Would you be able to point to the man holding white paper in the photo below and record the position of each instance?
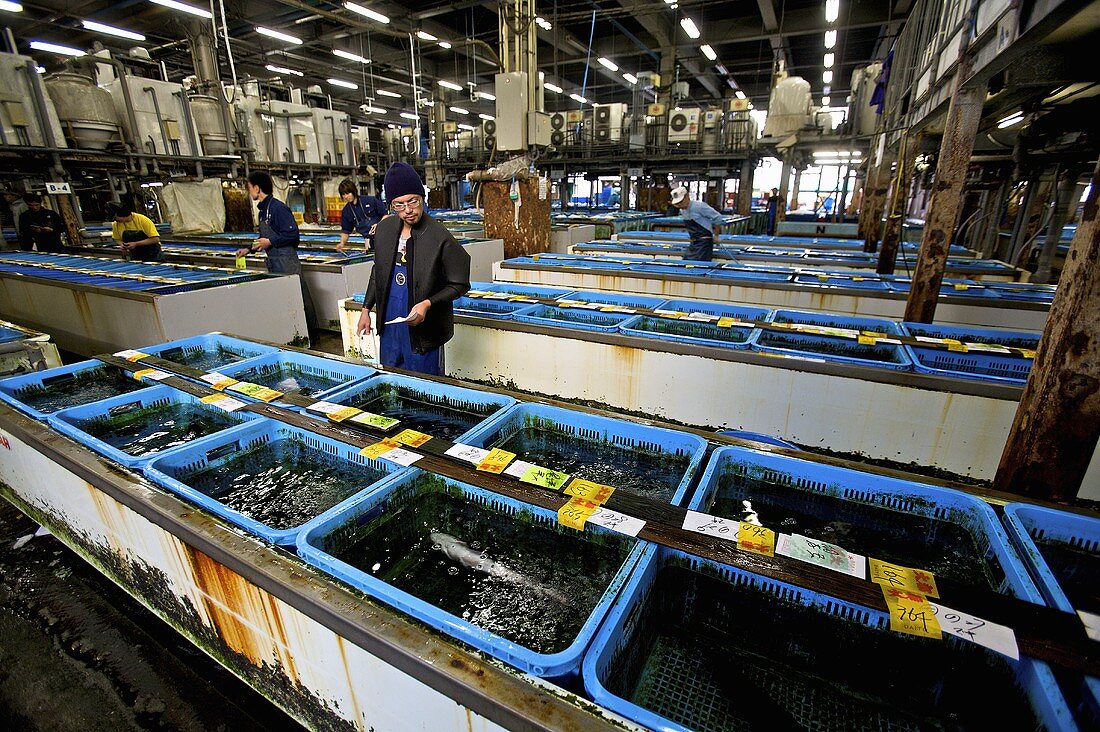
(419, 270)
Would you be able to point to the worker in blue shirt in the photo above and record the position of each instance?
(279, 235)
(703, 223)
(360, 215)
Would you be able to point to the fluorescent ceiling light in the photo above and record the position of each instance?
(827, 76)
(444, 44)
(388, 93)
(837, 153)
(739, 94)
(278, 35)
(722, 69)
(184, 8)
(543, 23)
(486, 116)
(829, 58)
(578, 98)
(689, 27)
(465, 127)
(374, 110)
(459, 110)
(1009, 121)
(449, 85)
(107, 29)
(40, 69)
(345, 84)
(832, 10)
(825, 101)
(708, 51)
(487, 95)
(55, 48)
(826, 89)
(283, 70)
(350, 56)
(631, 78)
(409, 115)
(10, 6)
(830, 38)
(608, 64)
(426, 36)
(552, 87)
(373, 15)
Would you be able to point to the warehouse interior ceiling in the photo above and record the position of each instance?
(456, 41)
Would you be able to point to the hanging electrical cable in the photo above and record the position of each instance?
(228, 50)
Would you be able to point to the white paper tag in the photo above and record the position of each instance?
(517, 468)
(325, 407)
(401, 456)
(616, 521)
(469, 453)
(821, 553)
(229, 404)
(214, 377)
(395, 321)
(129, 353)
(705, 317)
(498, 296)
(926, 339)
(999, 638)
(704, 523)
(1092, 624)
(156, 375)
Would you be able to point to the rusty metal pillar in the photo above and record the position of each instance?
(960, 127)
(1057, 423)
(792, 205)
(874, 201)
(784, 185)
(744, 187)
(895, 210)
(1066, 196)
(71, 218)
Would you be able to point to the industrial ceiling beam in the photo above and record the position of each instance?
(771, 23)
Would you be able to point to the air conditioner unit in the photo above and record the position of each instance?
(607, 122)
(557, 121)
(489, 126)
(683, 125)
(710, 119)
(557, 138)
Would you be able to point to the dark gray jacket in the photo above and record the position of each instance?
(439, 271)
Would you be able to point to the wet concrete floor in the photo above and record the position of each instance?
(78, 653)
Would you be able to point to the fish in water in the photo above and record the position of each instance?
(288, 385)
(460, 552)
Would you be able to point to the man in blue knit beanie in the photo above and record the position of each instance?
(419, 270)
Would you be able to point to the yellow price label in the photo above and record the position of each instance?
(496, 461)
(143, 372)
(857, 278)
(211, 398)
(756, 539)
(961, 286)
(412, 438)
(378, 449)
(241, 263)
(545, 477)
(1027, 353)
(910, 612)
(256, 391)
(575, 512)
(866, 340)
(726, 322)
(823, 277)
(905, 578)
(595, 492)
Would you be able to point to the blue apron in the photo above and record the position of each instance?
(362, 222)
(395, 346)
(702, 241)
(284, 260)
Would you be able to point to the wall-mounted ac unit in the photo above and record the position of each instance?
(607, 122)
(489, 126)
(683, 125)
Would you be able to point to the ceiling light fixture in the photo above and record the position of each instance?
(283, 70)
(829, 58)
(486, 116)
(708, 52)
(278, 35)
(350, 56)
(373, 110)
(449, 85)
(832, 10)
(184, 8)
(10, 6)
(1012, 119)
(388, 93)
(608, 64)
(824, 101)
(543, 23)
(107, 29)
(827, 76)
(739, 94)
(487, 95)
(459, 110)
(631, 78)
(689, 27)
(552, 87)
(465, 127)
(578, 98)
(830, 38)
(373, 15)
(444, 44)
(55, 48)
(345, 84)
(426, 36)
(409, 115)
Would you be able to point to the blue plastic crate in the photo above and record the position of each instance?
(625, 300)
(733, 271)
(758, 437)
(972, 364)
(839, 279)
(831, 348)
(676, 609)
(965, 288)
(591, 431)
(211, 350)
(485, 308)
(478, 406)
(698, 331)
(276, 369)
(675, 269)
(571, 317)
(20, 391)
(521, 290)
(177, 469)
(74, 421)
(336, 529)
(835, 320)
(1022, 291)
(1031, 527)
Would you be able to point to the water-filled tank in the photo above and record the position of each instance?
(207, 113)
(86, 111)
(788, 108)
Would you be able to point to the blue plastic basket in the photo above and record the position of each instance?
(521, 290)
(687, 269)
(967, 288)
(835, 320)
(594, 429)
(323, 537)
(972, 364)
(18, 391)
(572, 318)
(74, 420)
(698, 331)
(1022, 291)
(756, 274)
(211, 349)
(682, 697)
(271, 369)
(485, 405)
(838, 279)
(830, 348)
(1028, 525)
(483, 308)
(174, 468)
(624, 300)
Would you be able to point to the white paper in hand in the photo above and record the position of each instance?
(397, 320)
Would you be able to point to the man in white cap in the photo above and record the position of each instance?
(702, 222)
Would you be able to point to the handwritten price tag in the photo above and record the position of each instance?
(756, 539)
(412, 438)
(616, 521)
(217, 381)
(256, 391)
(401, 456)
(377, 421)
(704, 523)
(223, 402)
(574, 513)
(467, 453)
(999, 638)
(821, 553)
(905, 578)
(343, 413)
(910, 612)
(866, 340)
(595, 492)
(1092, 624)
(131, 355)
(379, 449)
(517, 468)
(151, 374)
(726, 322)
(496, 461)
(547, 478)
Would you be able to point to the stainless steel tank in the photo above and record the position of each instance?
(207, 113)
(87, 113)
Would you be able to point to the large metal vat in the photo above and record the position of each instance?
(210, 123)
(21, 118)
(86, 112)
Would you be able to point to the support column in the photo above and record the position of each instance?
(744, 187)
(792, 205)
(874, 201)
(1057, 423)
(71, 218)
(624, 193)
(784, 185)
(1068, 193)
(899, 203)
(960, 127)
(525, 233)
(991, 230)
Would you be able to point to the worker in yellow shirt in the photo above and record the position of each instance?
(135, 233)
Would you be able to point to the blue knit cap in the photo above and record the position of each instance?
(402, 180)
